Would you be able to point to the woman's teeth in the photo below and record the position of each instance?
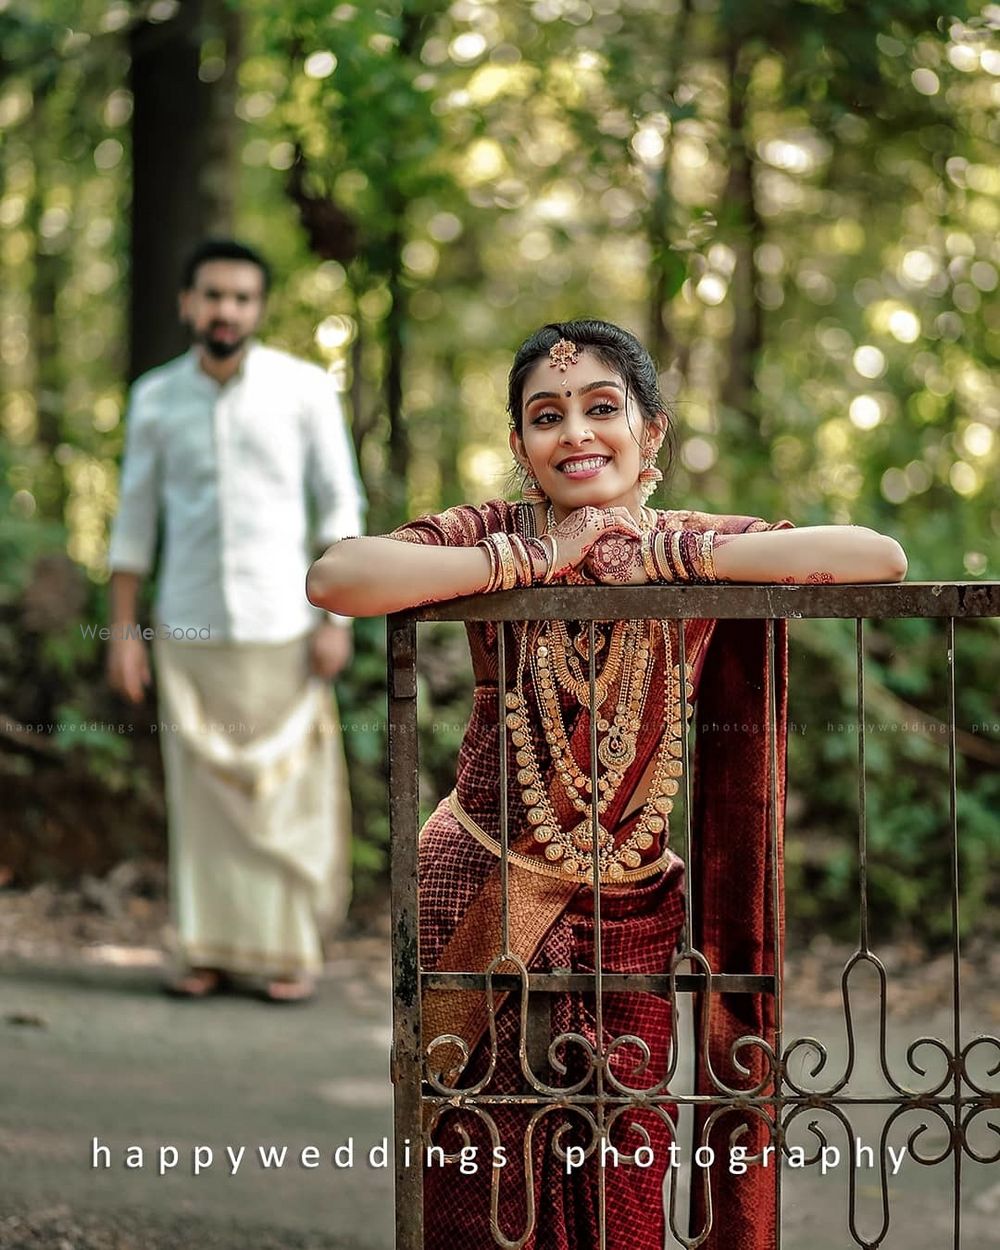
(584, 466)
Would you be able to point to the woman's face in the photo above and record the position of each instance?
(578, 437)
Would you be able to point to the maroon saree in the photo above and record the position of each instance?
(551, 927)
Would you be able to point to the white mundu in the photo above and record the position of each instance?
(244, 481)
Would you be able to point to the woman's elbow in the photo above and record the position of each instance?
(889, 558)
(899, 563)
(322, 583)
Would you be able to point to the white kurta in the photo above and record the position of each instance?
(243, 480)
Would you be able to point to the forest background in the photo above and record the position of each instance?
(795, 203)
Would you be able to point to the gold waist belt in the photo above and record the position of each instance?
(584, 875)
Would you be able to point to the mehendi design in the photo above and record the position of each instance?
(819, 578)
(614, 558)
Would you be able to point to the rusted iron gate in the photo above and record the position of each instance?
(956, 1098)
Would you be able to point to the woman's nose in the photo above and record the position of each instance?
(575, 431)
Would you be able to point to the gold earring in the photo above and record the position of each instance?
(531, 492)
(649, 476)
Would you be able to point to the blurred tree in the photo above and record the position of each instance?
(796, 203)
(182, 76)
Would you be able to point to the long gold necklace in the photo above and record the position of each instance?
(573, 849)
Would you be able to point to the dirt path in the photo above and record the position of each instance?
(99, 1053)
(93, 1050)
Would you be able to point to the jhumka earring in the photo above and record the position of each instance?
(531, 492)
(649, 476)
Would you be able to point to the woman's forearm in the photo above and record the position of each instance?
(816, 553)
(373, 576)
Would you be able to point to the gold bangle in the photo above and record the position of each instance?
(646, 551)
(680, 571)
(522, 559)
(522, 565)
(550, 570)
(491, 555)
(507, 566)
(659, 554)
(708, 556)
(516, 556)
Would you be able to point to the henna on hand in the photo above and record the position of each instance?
(577, 534)
(575, 524)
(615, 559)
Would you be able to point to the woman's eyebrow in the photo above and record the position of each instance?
(596, 386)
(584, 390)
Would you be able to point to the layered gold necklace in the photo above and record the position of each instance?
(628, 667)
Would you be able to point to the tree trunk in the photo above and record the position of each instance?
(395, 330)
(743, 232)
(183, 150)
(667, 265)
(395, 324)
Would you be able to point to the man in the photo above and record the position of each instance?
(234, 446)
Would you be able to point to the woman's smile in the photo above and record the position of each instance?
(583, 467)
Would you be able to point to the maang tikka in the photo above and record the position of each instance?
(563, 354)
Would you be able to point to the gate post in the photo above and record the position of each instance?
(404, 813)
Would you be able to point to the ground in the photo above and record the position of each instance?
(91, 1050)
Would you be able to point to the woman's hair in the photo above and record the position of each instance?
(614, 347)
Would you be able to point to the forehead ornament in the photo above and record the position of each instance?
(563, 354)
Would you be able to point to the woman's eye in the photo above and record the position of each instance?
(603, 409)
(540, 418)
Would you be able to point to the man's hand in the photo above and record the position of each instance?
(332, 648)
(128, 668)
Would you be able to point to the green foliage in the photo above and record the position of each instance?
(796, 203)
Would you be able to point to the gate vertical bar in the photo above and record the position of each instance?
(777, 911)
(404, 814)
(595, 843)
(859, 646)
(956, 950)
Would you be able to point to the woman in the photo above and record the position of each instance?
(587, 422)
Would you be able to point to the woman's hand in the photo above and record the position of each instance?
(615, 560)
(579, 534)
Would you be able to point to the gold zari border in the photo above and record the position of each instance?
(531, 864)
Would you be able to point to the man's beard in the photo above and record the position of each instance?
(221, 349)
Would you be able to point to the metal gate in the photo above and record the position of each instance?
(947, 1082)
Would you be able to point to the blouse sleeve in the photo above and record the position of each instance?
(463, 526)
(722, 523)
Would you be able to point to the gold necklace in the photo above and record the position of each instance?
(623, 638)
(618, 747)
(573, 849)
(567, 666)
